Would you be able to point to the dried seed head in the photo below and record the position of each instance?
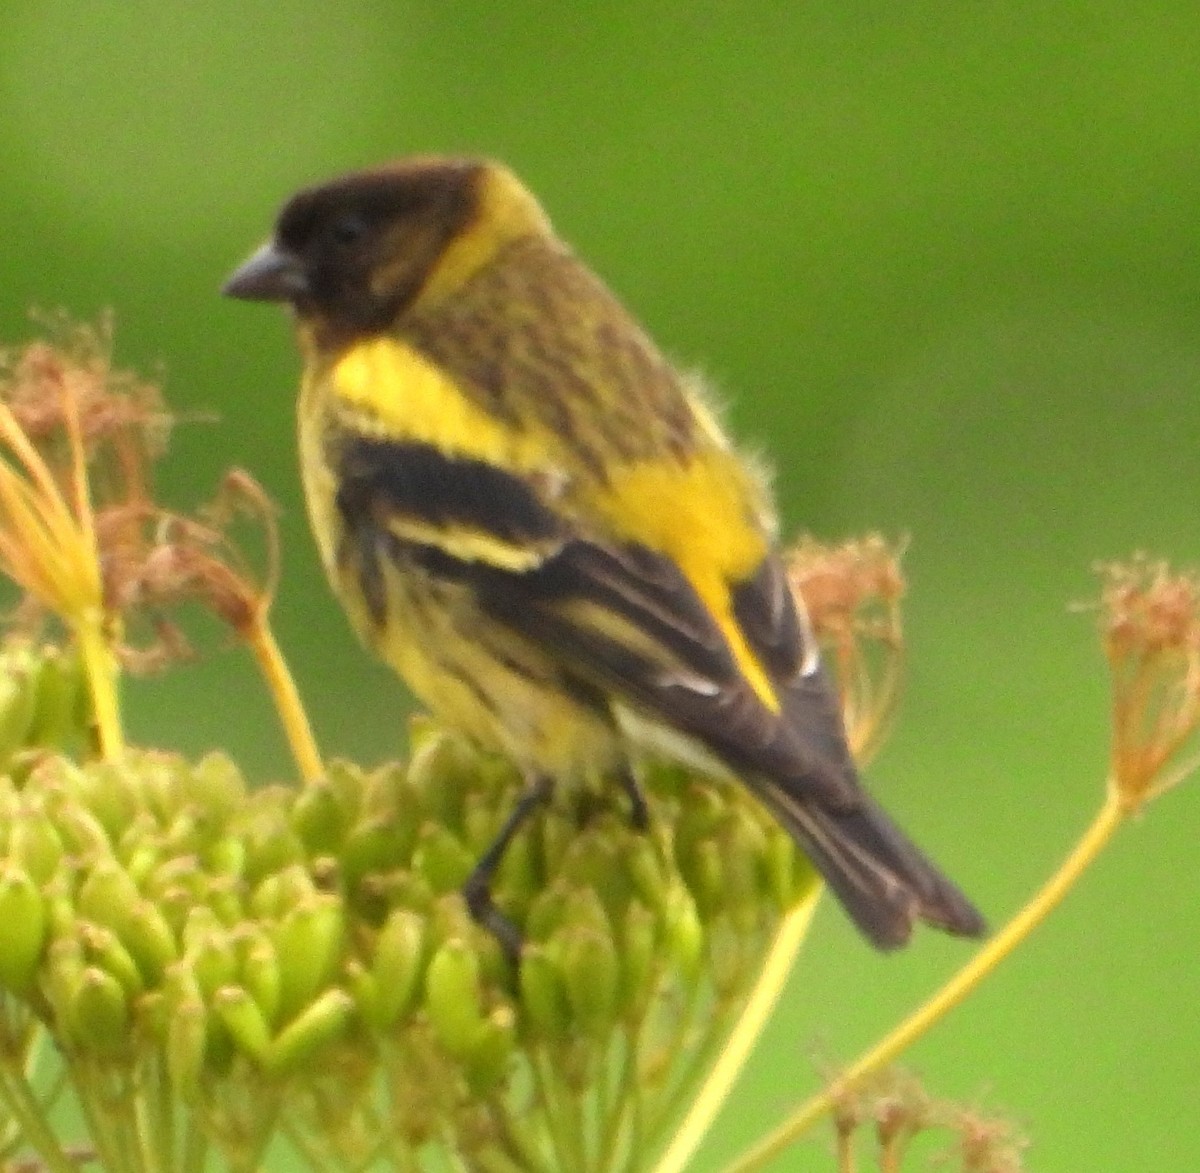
(852, 593)
(1150, 629)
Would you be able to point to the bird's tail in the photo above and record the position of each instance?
(881, 878)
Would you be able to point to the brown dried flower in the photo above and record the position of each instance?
(1150, 627)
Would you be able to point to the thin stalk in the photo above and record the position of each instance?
(742, 1038)
(22, 1105)
(103, 673)
(1111, 815)
(288, 705)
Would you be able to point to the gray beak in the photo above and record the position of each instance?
(269, 275)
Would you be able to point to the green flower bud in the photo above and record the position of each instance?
(107, 894)
(318, 1024)
(278, 894)
(452, 997)
(18, 700)
(638, 954)
(60, 700)
(82, 833)
(704, 873)
(440, 768)
(244, 1020)
(109, 791)
(319, 817)
(375, 845)
(260, 974)
(684, 932)
(215, 785)
(103, 948)
(442, 859)
(544, 993)
(781, 878)
(148, 937)
(98, 1013)
(212, 960)
(646, 870)
(225, 856)
(591, 973)
(23, 925)
(308, 942)
(398, 965)
(489, 1057)
(187, 1043)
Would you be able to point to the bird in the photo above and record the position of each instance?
(541, 524)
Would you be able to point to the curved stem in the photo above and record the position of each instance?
(282, 686)
(742, 1038)
(1111, 816)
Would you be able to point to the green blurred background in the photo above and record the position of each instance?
(944, 262)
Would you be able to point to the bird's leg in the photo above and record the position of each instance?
(639, 809)
(477, 890)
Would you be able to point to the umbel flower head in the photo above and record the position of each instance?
(210, 968)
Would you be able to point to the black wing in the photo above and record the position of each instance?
(625, 619)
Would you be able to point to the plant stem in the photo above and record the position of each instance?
(282, 685)
(742, 1038)
(102, 671)
(1110, 817)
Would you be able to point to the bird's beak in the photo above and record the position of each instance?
(271, 274)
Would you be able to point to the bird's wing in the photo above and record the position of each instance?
(618, 614)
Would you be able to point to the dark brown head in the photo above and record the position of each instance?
(358, 251)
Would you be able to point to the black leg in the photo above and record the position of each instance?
(639, 811)
(477, 891)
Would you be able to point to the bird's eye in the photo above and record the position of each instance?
(348, 230)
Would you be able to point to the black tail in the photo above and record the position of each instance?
(882, 879)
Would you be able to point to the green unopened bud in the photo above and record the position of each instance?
(646, 871)
(148, 937)
(488, 1058)
(57, 693)
(98, 1014)
(244, 1020)
(544, 993)
(377, 844)
(36, 847)
(278, 894)
(744, 866)
(107, 895)
(685, 933)
(18, 701)
(109, 792)
(103, 948)
(704, 872)
(591, 974)
(319, 817)
(398, 965)
(440, 768)
(318, 1024)
(81, 832)
(639, 945)
(215, 785)
(260, 974)
(452, 997)
(22, 929)
(442, 859)
(212, 960)
(308, 942)
(225, 856)
(187, 1043)
(779, 868)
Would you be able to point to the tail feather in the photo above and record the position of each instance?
(881, 878)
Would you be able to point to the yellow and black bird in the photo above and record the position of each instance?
(540, 524)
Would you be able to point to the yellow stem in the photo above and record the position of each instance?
(103, 673)
(1094, 839)
(282, 686)
(742, 1038)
